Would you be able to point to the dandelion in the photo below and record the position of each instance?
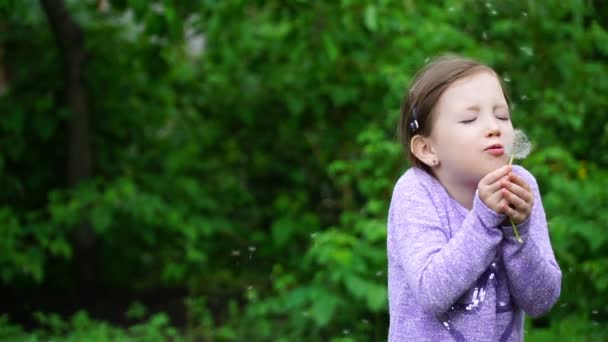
(521, 146)
(519, 149)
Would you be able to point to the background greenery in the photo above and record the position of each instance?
(243, 157)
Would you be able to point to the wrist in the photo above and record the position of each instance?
(489, 216)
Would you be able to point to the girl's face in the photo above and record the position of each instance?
(471, 128)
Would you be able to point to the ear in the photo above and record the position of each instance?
(422, 148)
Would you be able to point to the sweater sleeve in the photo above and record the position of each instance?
(533, 274)
(439, 269)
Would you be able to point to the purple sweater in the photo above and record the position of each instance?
(460, 275)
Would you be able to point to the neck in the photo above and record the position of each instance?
(463, 193)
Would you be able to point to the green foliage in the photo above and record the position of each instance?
(80, 327)
(573, 328)
(246, 151)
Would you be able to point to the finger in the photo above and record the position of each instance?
(496, 175)
(518, 209)
(511, 213)
(529, 197)
(518, 191)
(503, 204)
(519, 181)
(494, 201)
(517, 202)
(497, 185)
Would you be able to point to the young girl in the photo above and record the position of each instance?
(455, 269)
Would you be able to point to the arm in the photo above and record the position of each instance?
(533, 275)
(437, 268)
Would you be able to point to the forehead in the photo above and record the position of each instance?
(479, 88)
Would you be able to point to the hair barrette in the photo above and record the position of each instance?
(414, 124)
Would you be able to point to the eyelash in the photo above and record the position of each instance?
(471, 120)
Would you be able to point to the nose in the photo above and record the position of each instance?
(493, 129)
(493, 132)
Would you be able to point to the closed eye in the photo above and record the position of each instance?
(467, 121)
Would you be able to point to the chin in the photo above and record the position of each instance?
(497, 163)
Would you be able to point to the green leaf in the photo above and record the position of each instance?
(371, 14)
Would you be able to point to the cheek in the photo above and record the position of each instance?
(508, 128)
(455, 147)
(462, 138)
(508, 135)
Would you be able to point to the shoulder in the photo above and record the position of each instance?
(415, 188)
(415, 181)
(412, 197)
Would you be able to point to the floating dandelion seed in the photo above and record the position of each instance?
(519, 149)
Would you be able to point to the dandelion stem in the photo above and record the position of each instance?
(519, 239)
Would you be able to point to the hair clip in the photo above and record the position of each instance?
(414, 124)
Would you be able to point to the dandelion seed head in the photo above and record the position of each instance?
(521, 146)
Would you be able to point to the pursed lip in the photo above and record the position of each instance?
(493, 146)
(495, 149)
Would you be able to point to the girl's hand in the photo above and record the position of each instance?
(490, 188)
(518, 198)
